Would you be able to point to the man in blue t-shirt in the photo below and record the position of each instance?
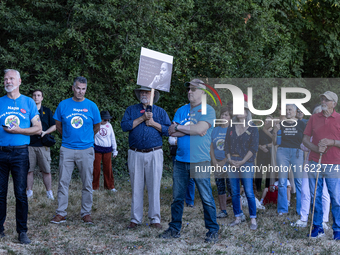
(19, 117)
(193, 131)
(77, 120)
(145, 156)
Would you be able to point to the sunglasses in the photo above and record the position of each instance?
(192, 89)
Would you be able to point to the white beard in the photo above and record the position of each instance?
(10, 90)
(144, 100)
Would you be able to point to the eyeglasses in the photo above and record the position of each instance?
(192, 89)
(298, 111)
(105, 120)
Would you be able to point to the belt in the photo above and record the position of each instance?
(235, 155)
(11, 148)
(146, 150)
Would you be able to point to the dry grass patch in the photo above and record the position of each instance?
(111, 215)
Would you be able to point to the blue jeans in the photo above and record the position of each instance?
(190, 194)
(181, 176)
(245, 173)
(285, 158)
(16, 162)
(333, 184)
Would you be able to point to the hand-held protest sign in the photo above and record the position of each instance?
(155, 69)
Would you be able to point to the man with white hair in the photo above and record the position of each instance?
(19, 117)
(324, 128)
(145, 156)
(193, 131)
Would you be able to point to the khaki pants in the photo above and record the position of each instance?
(145, 168)
(84, 162)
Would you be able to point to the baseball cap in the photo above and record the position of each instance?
(330, 96)
(195, 82)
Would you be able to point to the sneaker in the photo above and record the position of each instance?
(317, 232)
(58, 219)
(222, 214)
(87, 219)
(238, 221)
(253, 226)
(211, 237)
(50, 195)
(280, 213)
(336, 235)
(170, 233)
(114, 190)
(325, 226)
(288, 203)
(191, 206)
(299, 224)
(23, 238)
(29, 193)
(2, 234)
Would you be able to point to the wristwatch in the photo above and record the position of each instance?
(176, 127)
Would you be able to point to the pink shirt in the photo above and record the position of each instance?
(321, 127)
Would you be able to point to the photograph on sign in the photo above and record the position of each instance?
(155, 69)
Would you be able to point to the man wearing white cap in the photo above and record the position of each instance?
(145, 156)
(193, 131)
(325, 127)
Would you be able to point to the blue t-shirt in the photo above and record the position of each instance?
(217, 138)
(19, 111)
(77, 120)
(194, 148)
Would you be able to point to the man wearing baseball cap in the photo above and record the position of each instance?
(145, 156)
(193, 132)
(324, 128)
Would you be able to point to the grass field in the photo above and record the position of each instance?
(111, 215)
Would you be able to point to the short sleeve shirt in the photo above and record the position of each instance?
(217, 139)
(292, 134)
(320, 127)
(46, 117)
(194, 148)
(18, 111)
(77, 120)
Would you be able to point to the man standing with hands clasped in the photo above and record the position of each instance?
(77, 120)
(19, 118)
(145, 156)
(324, 128)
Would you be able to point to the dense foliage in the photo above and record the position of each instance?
(51, 42)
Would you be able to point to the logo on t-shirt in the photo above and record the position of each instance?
(11, 120)
(103, 132)
(85, 110)
(77, 122)
(220, 144)
(23, 111)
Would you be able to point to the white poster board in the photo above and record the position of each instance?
(155, 69)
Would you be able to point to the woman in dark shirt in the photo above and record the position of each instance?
(241, 145)
(289, 155)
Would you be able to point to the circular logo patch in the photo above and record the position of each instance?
(85, 110)
(11, 120)
(77, 122)
(220, 144)
(103, 132)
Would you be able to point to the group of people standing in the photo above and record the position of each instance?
(88, 138)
